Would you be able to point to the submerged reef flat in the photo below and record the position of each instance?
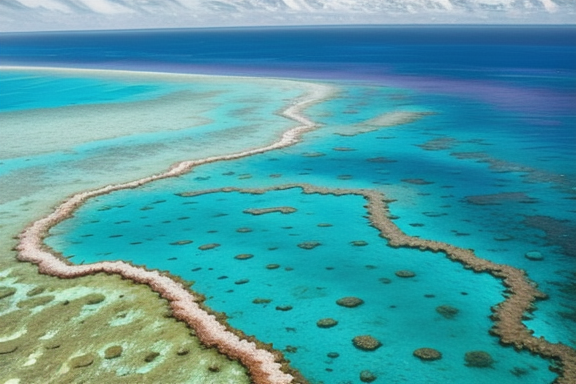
(388, 119)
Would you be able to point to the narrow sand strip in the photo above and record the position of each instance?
(261, 363)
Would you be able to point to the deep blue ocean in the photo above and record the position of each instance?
(488, 165)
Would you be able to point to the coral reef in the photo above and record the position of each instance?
(349, 302)
(244, 256)
(534, 256)
(447, 311)
(263, 211)
(206, 247)
(326, 323)
(479, 359)
(366, 343)
(405, 273)
(427, 354)
(367, 376)
(309, 244)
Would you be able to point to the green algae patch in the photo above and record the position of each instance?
(35, 291)
(6, 292)
(7, 347)
(35, 301)
(76, 329)
(94, 298)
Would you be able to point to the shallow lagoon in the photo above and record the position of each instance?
(432, 185)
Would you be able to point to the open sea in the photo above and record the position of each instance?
(470, 132)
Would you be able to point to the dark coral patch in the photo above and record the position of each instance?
(309, 245)
(94, 298)
(447, 311)
(261, 301)
(427, 354)
(181, 242)
(349, 302)
(366, 343)
(206, 247)
(478, 359)
(244, 256)
(113, 352)
(326, 323)
(405, 273)
(82, 361)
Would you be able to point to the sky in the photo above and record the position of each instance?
(50, 15)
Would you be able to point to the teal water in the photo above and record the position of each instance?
(527, 206)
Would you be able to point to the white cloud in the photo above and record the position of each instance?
(18, 15)
(105, 7)
(53, 5)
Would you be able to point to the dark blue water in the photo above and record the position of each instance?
(351, 52)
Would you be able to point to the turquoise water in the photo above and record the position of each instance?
(435, 187)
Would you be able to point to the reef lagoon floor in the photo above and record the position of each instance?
(398, 227)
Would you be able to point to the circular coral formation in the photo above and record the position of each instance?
(326, 323)
(367, 376)
(243, 256)
(309, 244)
(447, 311)
(479, 359)
(349, 302)
(405, 273)
(366, 343)
(427, 354)
(261, 301)
(113, 352)
(206, 247)
(534, 256)
(181, 242)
